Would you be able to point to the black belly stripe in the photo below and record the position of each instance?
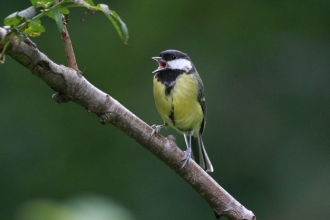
(168, 89)
(171, 116)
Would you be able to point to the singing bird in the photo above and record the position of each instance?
(179, 97)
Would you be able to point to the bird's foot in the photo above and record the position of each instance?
(186, 158)
(156, 129)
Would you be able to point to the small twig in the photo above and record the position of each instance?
(72, 63)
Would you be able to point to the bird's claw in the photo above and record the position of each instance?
(156, 129)
(186, 158)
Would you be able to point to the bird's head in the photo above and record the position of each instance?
(173, 60)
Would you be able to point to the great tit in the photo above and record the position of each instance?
(179, 96)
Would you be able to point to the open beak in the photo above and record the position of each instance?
(162, 64)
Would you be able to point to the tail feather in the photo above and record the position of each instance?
(199, 154)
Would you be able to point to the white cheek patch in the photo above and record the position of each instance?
(181, 64)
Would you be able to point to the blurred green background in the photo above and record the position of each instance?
(266, 71)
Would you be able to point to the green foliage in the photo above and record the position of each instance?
(42, 4)
(34, 28)
(58, 19)
(116, 21)
(15, 18)
(28, 22)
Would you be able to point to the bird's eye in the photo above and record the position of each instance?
(173, 57)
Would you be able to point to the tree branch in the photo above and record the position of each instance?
(74, 87)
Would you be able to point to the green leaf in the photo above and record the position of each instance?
(58, 20)
(123, 26)
(34, 28)
(90, 2)
(50, 14)
(63, 10)
(119, 25)
(42, 3)
(104, 8)
(13, 20)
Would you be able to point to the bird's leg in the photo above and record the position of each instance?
(156, 128)
(188, 151)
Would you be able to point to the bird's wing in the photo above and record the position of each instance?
(201, 100)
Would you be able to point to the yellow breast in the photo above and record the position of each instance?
(180, 108)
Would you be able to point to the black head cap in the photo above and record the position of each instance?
(169, 55)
